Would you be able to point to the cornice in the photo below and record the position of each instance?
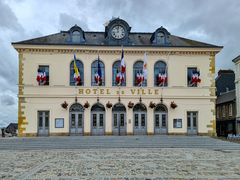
(64, 49)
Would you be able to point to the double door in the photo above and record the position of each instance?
(119, 123)
(160, 123)
(140, 123)
(192, 123)
(43, 123)
(76, 123)
(97, 123)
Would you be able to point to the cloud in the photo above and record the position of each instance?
(8, 19)
(7, 100)
(67, 21)
(207, 21)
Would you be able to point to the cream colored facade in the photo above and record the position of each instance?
(33, 97)
(57, 51)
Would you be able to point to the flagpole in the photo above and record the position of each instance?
(75, 82)
(98, 81)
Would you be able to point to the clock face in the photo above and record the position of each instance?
(118, 32)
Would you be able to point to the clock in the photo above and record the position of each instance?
(118, 32)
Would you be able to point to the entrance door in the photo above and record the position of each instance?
(76, 114)
(119, 123)
(98, 120)
(140, 125)
(76, 123)
(160, 123)
(43, 123)
(191, 123)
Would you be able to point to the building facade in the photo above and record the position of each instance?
(237, 85)
(226, 103)
(57, 105)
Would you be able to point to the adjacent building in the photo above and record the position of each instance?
(73, 83)
(237, 84)
(226, 103)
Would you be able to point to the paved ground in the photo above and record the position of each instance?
(92, 142)
(119, 158)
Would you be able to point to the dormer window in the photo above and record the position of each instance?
(76, 37)
(160, 37)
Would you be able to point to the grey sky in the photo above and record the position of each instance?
(215, 22)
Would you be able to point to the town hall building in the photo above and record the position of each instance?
(116, 82)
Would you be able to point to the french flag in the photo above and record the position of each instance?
(39, 76)
(195, 79)
(98, 74)
(139, 79)
(119, 78)
(162, 79)
(44, 78)
(123, 66)
(77, 79)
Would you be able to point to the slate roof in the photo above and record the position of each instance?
(226, 97)
(98, 39)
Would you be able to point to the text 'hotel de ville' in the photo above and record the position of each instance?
(116, 82)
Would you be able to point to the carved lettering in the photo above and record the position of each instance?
(101, 91)
(88, 91)
(95, 91)
(80, 91)
(149, 91)
(138, 91)
(133, 91)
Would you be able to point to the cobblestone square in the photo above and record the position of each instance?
(115, 162)
(120, 164)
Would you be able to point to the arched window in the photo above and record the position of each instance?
(95, 70)
(138, 71)
(160, 74)
(81, 72)
(98, 107)
(76, 107)
(140, 107)
(76, 36)
(115, 70)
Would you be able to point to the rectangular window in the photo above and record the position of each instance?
(192, 77)
(115, 123)
(177, 123)
(43, 75)
(143, 120)
(94, 120)
(136, 120)
(163, 120)
(230, 110)
(101, 120)
(73, 120)
(122, 120)
(223, 111)
(157, 120)
(80, 120)
(43, 119)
